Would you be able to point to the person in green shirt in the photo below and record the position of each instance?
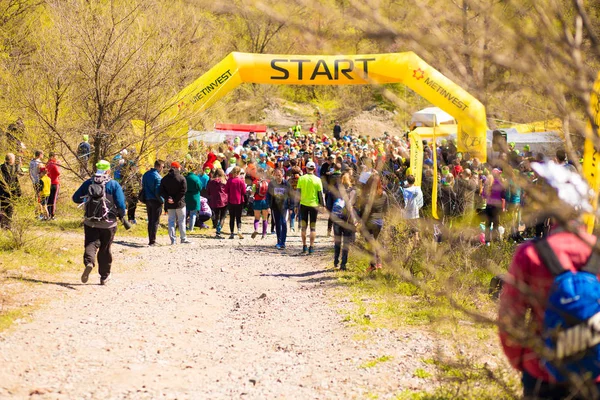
(311, 197)
(297, 129)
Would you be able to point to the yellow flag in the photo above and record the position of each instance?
(591, 156)
(435, 180)
(416, 157)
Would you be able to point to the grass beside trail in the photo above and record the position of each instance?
(440, 290)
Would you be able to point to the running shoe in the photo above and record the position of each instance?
(232, 236)
(378, 266)
(254, 235)
(304, 249)
(311, 250)
(343, 268)
(282, 247)
(86, 273)
(186, 241)
(278, 246)
(240, 235)
(104, 280)
(371, 268)
(263, 236)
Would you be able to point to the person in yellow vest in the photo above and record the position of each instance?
(297, 129)
(44, 191)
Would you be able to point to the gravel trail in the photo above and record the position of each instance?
(217, 319)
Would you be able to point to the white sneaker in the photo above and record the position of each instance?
(186, 241)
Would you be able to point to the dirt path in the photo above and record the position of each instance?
(217, 319)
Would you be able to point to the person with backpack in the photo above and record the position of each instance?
(278, 195)
(549, 310)
(260, 189)
(152, 198)
(172, 188)
(104, 203)
(344, 218)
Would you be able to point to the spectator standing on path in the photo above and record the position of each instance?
(84, 150)
(337, 131)
(154, 202)
(311, 197)
(172, 188)
(192, 197)
(53, 168)
(10, 189)
(217, 199)
(235, 189)
(104, 204)
(34, 169)
(344, 220)
(413, 202)
(278, 199)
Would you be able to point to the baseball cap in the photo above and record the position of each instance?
(310, 165)
(175, 164)
(102, 167)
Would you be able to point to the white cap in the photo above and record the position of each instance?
(310, 165)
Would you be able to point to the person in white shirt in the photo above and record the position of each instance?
(413, 202)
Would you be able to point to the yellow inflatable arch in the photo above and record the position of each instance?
(406, 68)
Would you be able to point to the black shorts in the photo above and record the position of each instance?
(44, 201)
(308, 215)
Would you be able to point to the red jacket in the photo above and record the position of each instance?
(53, 168)
(527, 269)
(235, 189)
(217, 194)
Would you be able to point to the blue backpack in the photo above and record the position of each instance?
(572, 318)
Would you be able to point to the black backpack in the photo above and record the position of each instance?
(97, 206)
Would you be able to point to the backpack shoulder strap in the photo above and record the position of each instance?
(548, 257)
(593, 263)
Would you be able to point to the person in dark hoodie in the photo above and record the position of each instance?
(100, 222)
(278, 195)
(333, 184)
(154, 203)
(172, 188)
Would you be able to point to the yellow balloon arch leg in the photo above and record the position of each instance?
(406, 68)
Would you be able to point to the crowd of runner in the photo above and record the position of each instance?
(285, 180)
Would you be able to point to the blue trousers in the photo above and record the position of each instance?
(280, 218)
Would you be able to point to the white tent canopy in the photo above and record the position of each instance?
(431, 116)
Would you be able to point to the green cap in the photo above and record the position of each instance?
(526, 147)
(103, 165)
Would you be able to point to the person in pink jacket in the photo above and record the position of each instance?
(217, 199)
(235, 189)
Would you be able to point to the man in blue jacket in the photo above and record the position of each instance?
(104, 204)
(154, 202)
